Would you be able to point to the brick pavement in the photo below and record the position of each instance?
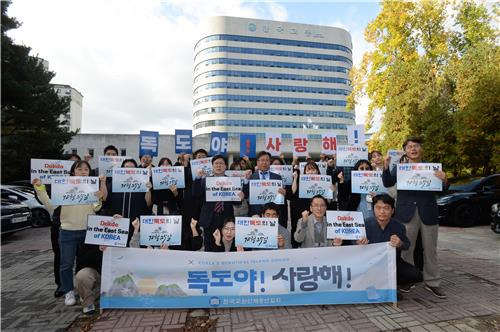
(472, 286)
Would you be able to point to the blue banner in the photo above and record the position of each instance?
(148, 143)
(183, 141)
(248, 145)
(142, 278)
(218, 144)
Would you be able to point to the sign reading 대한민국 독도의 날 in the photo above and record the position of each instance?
(74, 190)
(253, 232)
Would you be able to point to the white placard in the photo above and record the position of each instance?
(312, 185)
(348, 155)
(265, 191)
(365, 182)
(107, 163)
(107, 231)
(322, 165)
(204, 164)
(346, 225)
(222, 188)
(299, 145)
(286, 172)
(328, 143)
(273, 144)
(419, 176)
(158, 230)
(74, 190)
(45, 169)
(164, 177)
(356, 135)
(257, 232)
(130, 179)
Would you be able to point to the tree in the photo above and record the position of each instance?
(31, 109)
(419, 75)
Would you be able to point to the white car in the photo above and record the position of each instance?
(40, 216)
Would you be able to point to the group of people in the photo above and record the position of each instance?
(396, 217)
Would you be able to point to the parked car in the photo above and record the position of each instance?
(469, 204)
(40, 216)
(495, 218)
(16, 216)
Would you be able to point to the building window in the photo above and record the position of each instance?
(123, 152)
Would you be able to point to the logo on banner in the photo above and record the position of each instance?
(218, 144)
(148, 143)
(183, 141)
(273, 144)
(248, 145)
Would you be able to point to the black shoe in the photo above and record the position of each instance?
(406, 288)
(436, 291)
(58, 293)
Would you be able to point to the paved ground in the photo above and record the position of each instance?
(470, 261)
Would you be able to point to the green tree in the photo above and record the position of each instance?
(31, 109)
(419, 75)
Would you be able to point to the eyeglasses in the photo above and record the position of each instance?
(228, 229)
(411, 146)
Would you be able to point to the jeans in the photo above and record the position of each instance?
(68, 243)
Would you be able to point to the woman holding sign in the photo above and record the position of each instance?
(167, 200)
(213, 213)
(226, 241)
(73, 226)
(131, 204)
(350, 201)
(299, 205)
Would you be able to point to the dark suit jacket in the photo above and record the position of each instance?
(207, 217)
(254, 209)
(409, 200)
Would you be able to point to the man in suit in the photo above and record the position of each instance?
(311, 229)
(263, 173)
(418, 211)
(211, 216)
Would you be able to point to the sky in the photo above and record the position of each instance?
(133, 60)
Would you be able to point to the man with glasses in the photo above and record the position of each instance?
(418, 211)
(263, 173)
(311, 229)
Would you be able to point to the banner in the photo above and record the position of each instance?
(395, 157)
(329, 144)
(286, 172)
(365, 182)
(346, 225)
(299, 142)
(356, 135)
(141, 278)
(257, 232)
(218, 144)
(348, 155)
(222, 188)
(127, 180)
(107, 163)
(265, 191)
(322, 165)
(419, 176)
(312, 185)
(273, 144)
(158, 230)
(204, 164)
(166, 176)
(74, 190)
(148, 143)
(45, 169)
(183, 141)
(107, 231)
(248, 145)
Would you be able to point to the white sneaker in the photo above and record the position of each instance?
(90, 309)
(69, 298)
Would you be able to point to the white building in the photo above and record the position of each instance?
(74, 116)
(258, 76)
